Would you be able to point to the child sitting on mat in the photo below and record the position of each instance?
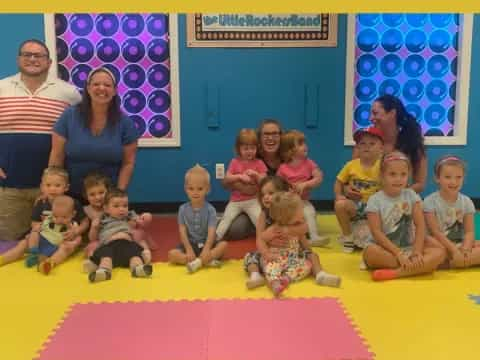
(363, 175)
(285, 264)
(54, 183)
(397, 225)
(197, 221)
(303, 174)
(117, 247)
(274, 237)
(246, 168)
(449, 214)
(95, 187)
(49, 236)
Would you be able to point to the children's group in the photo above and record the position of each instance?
(377, 210)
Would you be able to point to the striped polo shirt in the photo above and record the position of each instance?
(26, 121)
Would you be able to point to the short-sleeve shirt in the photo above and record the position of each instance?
(238, 166)
(366, 180)
(85, 152)
(395, 215)
(450, 215)
(43, 208)
(52, 232)
(26, 121)
(110, 226)
(197, 221)
(298, 173)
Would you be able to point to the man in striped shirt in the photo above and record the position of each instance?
(30, 103)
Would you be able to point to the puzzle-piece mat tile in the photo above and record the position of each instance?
(212, 329)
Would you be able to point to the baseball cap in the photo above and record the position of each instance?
(372, 130)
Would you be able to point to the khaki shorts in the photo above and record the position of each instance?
(16, 211)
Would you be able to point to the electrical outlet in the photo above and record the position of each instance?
(219, 171)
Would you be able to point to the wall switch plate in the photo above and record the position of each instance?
(219, 171)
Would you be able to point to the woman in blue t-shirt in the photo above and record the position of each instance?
(95, 136)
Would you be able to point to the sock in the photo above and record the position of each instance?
(348, 244)
(255, 280)
(194, 265)
(384, 274)
(101, 274)
(46, 266)
(255, 275)
(326, 279)
(142, 270)
(32, 258)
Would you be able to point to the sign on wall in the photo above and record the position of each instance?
(261, 30)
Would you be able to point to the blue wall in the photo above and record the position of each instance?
(253, 84)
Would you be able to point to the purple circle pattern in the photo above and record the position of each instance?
(420, 68)
(142, 70)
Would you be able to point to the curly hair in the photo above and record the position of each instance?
(283, 207)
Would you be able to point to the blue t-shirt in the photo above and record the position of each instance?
(85, 152)
(197, 221)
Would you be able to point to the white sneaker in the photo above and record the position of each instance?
(327, 279)
(194, 265)
(362, 265)
(319, 241)
(215, 263)
(255, 281)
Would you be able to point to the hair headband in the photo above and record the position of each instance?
(395, 156)
(101, 69)
(447, 158)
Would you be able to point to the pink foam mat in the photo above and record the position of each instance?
(200, 330)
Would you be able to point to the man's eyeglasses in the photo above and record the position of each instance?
(273, 134)
(36, 56)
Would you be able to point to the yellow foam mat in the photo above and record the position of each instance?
(427, 317)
